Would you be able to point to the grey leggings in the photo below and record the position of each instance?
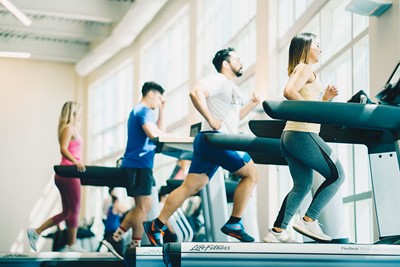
(304, 153)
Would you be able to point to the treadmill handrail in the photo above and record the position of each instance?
(98, 176)
(262, 150)
(366, 116)
(244, 142)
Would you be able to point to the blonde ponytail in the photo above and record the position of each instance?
(68, 115)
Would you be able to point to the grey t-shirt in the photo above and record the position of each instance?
(224, 102)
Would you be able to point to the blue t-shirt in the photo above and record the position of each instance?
(139, 152)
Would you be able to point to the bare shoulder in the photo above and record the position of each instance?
(69, 130)
(304, 70)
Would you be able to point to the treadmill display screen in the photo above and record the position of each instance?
(390, 93)
(395, 76)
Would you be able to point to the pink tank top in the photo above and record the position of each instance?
(75, 148)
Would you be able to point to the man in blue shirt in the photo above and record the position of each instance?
(138, 163)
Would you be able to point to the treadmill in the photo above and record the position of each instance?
(139, 257)
(59, 259)
(375, 126)
(263, 151)
(279, 255)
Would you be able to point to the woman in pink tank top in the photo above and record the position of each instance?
(70, 188)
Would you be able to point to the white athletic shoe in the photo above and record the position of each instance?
(311, 229)
(73, 248)
(33, 237)
(282, 237)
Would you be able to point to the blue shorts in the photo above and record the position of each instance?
(206, 159)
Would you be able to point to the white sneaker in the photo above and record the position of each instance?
(311, 229)
(73, 248)
(282, 237)
(33, 237)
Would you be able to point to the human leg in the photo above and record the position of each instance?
(328, 165)
(241, 164)
(201, 170)
(73, 200)
(302, 183)
(244, 189)
(34, 233)
(311, 151)
(72, 245)
(69, 189)
(135, 218)
(72, 233)
(144, 181)
(314, 153)
(193, 183)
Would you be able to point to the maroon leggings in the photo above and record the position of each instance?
(70, 190)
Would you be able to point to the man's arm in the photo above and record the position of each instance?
(198, 96)
(157, 129)
(152, 131)
(161, 116)
(254, 101)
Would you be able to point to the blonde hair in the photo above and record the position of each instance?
(299, 50)
(68, 115)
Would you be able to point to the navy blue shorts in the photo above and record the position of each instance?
(206, 159)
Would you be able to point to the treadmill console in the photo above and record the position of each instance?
(390, 93)
(360, 97)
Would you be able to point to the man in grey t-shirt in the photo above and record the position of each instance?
(219, 101)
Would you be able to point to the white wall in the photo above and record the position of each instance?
(384, 41)
(31, 97)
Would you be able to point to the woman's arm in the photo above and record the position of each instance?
(65, 138)
(301, 75)
(330, 92)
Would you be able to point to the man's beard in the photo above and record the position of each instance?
(238, 73)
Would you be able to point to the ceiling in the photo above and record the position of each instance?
(74, 31)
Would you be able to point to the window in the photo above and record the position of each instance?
(110, 101)
(288, 12)
(335, 28)
(360, 63)
(225, 23)
(339, 73)
(244, 44)
(170, 69)
(360, 23)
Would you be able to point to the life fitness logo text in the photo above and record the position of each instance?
(213, 248)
